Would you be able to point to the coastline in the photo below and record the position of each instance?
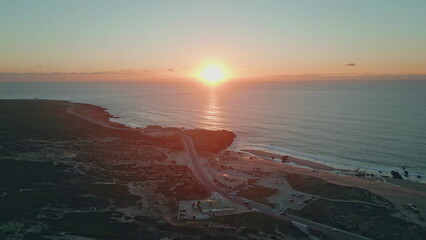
(102, 114)
(134, 113)
(155, 147)
(331, 174)
(358, 171)
(305, 160)
(298, 161)
(326, 165)
(97, 113)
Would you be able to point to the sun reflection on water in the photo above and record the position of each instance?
(212, 115)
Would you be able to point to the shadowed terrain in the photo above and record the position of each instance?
(64, 177)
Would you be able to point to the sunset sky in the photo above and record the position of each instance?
(142, 40)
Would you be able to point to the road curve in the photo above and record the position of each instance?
(199, 174)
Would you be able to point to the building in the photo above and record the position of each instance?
(216, 204)
(201, 217)
(208, 208)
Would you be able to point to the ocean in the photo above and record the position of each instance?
(352, 124)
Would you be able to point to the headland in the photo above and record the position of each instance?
(68, 171)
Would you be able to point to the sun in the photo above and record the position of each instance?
(212, 75)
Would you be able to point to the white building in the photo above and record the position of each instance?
(216, 204)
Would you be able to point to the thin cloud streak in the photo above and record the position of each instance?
(174, 75)
(338, 77)
(119, 75)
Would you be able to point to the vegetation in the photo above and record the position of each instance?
(367, 220)
(258, 194)
(211, 141)
(254, 222)
(45, 193)
(325, 189)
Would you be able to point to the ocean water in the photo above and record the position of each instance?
(373, 125)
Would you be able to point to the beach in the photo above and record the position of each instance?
(396, 190)
(138, 175)
(304, 120)
(301, 162)
(212, 120)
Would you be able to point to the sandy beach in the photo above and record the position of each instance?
(145, 172)
(241, 165)
(398, 191)
(302, 162)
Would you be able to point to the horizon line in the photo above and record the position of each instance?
(159, 75)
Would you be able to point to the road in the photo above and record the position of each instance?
(70, 110)
(199, 174)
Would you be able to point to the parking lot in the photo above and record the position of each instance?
(295, 200)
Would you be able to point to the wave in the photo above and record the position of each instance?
(327, 161)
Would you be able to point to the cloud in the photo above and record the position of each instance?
(124, 74)
(52, 73)
(350, 65)
(337, 77)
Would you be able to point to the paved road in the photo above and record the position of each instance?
(199, 174)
